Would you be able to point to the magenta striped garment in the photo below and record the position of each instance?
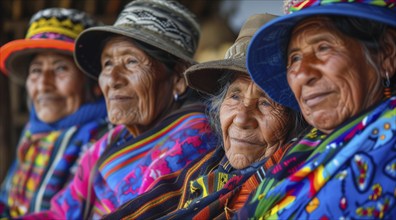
(115, 171)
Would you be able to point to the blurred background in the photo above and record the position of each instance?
(220, 22)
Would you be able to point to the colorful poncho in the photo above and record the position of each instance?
(350, 174)
(47, 155)
(118, 167)
(207, 188)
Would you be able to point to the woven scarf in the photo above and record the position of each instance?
(202, 190)
(86, 113)
(46, 157)
(350, 174)
(115, 171)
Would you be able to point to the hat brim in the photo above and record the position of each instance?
(88, 45)
(266, 56)
(16, 55)
(205, 77)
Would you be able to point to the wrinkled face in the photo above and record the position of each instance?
(55, 85)
(253, 126)
(329, 74)
(136, 87)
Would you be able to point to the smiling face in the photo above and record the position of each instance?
(137, 88)
(329, 74)
(253, 126)
(55, 85)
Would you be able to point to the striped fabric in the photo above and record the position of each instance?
(207, 188)
(118, 167)
(46, 158)
(291, 6)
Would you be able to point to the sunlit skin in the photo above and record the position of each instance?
(55, 86)
(329, 75)
(253, 126)
(138, 90)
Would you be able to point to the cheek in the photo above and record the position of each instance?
(274, 126)
(31, 88)
(225, 118)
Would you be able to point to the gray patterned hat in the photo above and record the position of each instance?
(205, 76)
(164, 24)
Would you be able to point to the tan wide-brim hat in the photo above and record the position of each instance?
(204, 77)
(166, 25)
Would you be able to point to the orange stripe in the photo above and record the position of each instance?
(130, 160)
(22, 44)
(144, 141)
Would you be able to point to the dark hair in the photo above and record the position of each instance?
(297, 130)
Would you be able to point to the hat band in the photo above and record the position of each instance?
(158, 21)
(299, 5)
(53, 36)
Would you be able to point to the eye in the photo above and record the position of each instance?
(264, 103)
(34, 70)
(323, 47)
(131, 62)
(235, 96)
(293, 58)
(61, 68)
(106, 63)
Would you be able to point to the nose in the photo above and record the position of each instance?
(117, 77)
(244, 118)
(47, 81)
(307, 72)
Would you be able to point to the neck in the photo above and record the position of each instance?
(136, 130)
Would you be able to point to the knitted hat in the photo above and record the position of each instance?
(164, 24)
(52, 29)
(266, 57)
(205, 76)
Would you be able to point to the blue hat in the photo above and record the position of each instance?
(266, 57)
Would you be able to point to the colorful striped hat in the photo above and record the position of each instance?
(266, 58)
(164, 24)
(52, 29)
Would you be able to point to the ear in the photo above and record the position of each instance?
(179, 83)
(388, 55)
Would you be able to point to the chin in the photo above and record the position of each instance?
(240, 164)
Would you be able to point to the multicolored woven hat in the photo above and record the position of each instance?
(49, 29)
(266, 58)
(164, 24)
(205, 76)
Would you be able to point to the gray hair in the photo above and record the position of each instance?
(296, 131)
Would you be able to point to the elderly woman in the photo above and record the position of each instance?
(255, 132)
(66, 111)
(341, 64)
(140, 62)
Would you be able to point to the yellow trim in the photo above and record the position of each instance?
(66, 27)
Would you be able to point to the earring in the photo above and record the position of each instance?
(176, 97)
(387, 90)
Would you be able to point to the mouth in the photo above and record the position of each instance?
(248, 142)
(315, 98)
(120, 98)
(47, 99)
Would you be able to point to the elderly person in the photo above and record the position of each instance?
(140, 62)
(255, 132)
(341, 64)
(66, 111)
